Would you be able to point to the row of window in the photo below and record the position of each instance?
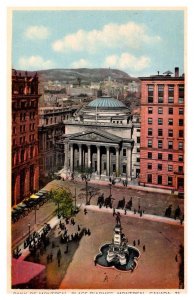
(160, 166)
(55, 119)
(160, 144)
(170, 95)
(24, 104)
(170, 121)
(170, 132)
(23, 156)
(160, 179)
(170, 156)
(23, 116)
(23, 128)
(170, 110)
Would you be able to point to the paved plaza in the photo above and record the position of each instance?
(157, 267)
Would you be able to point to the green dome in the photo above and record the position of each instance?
(107, 102)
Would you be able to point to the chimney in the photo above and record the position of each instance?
(176, 72)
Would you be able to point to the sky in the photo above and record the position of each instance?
(139, 42)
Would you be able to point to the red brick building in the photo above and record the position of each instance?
(25, 167)
(162, 131)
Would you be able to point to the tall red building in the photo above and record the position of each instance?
(25, 167)
(162, 131)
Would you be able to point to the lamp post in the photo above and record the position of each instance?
(86, 191)
(110, 185)
(35, 209)
(75, 198)
(29, 229)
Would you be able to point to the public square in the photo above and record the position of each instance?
(157, 266)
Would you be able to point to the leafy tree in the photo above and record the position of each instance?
(64, 201)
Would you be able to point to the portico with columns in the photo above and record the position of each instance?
(102, 152)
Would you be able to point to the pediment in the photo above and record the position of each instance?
(94, 136)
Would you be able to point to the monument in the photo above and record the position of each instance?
(118, 253)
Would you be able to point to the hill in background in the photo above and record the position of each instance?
(85, 75)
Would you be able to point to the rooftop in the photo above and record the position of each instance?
(106, 101)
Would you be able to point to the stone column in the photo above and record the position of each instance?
(71, 158)
(107, 161)
(98, 160)
(89, 156)
(117, 162)
(66, 155)
(80, 155)
(128, 162)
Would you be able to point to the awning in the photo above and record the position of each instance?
(33, 196)
(24, 271)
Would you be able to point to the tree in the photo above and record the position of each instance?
(85, 174)
(64, 201)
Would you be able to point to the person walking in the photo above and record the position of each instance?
(138, 242)
(144, 248)
(59, 257)
(51, 257)
(134, 243)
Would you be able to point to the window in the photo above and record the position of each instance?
(180, 169)
(160, 121)
(138, 159)
(170, 121)
(170, 168)
(170, 145)
(124, 169)
(160, 144)
(170, 157)
(181, 93)
(14, 117)
(159, 179)
(169, 181)
(138, 139)
(138, 130)
(160, 93)
(149, 143)
(104, 166)
(149, 178)
(150, 155)
(170, 93)
(31, 152)
(150, 110)
(14, 130)
(138, 149)
(170, 111)
(150, 93)
(159, 155)
(160, 110)
(149, 166)
(149, 131)
(159, 167)
(149, 120)
(180, 158)
(160, 132)
(170, 133)
(22, 155)
(181, 133)
(124, 152)
(180, 145)
(181, 111)
(181, 122)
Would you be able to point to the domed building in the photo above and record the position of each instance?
(99, 136)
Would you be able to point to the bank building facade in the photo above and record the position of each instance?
(100, 137)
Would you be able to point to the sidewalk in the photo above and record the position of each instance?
(131, 214)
